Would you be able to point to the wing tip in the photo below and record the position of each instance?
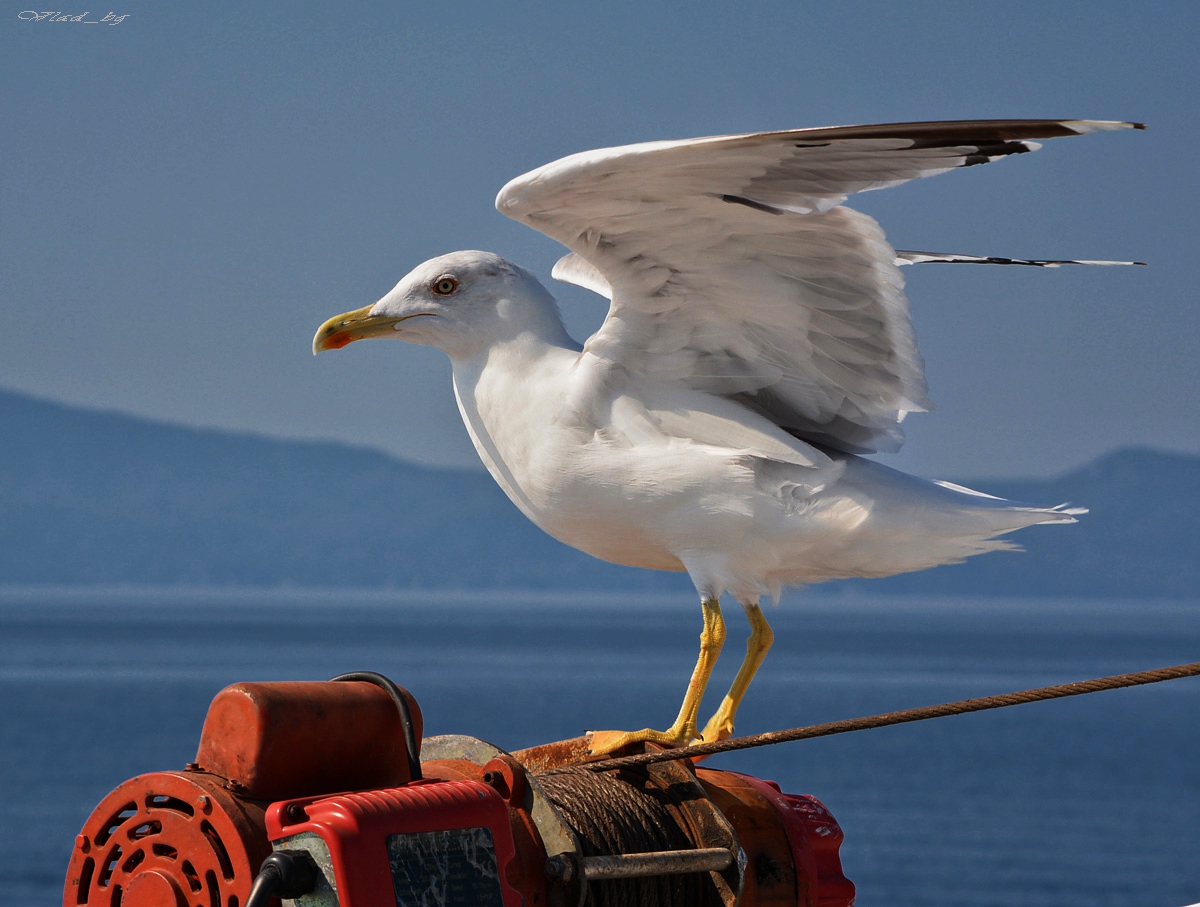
(508, 198)
(1082, 127)
(909, 257)
(504, 199)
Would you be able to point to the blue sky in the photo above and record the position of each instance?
(187, 194)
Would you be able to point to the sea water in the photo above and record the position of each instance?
(1088, 801)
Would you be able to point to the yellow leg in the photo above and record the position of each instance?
(683, 731)
(720, 725)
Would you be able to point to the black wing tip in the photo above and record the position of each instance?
(909, 257)
(948, 131)
(751, 203)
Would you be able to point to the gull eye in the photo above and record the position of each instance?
(444, 286)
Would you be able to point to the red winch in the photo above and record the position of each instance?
(313, 794)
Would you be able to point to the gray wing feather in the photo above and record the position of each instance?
(733, 268)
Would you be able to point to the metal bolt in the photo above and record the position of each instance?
(560, 867)
(205, 804)
(496, 780)
(295, 813)
(631, 866)
(83, 843)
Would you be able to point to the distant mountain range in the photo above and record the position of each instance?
(91, 497)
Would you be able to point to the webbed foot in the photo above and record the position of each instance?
(605, 742)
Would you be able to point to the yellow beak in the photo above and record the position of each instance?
(357, 325)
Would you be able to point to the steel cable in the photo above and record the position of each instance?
(960, 707)
(613, 814)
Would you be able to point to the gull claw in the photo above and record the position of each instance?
(719, 727)
(604, 743)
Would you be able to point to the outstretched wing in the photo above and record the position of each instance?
(733, 267)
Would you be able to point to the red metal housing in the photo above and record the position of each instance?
(168, 839)
(430, 838)
(333, 757)
(276, 740)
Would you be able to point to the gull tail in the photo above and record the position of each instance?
(913, 524)
(1002, 516)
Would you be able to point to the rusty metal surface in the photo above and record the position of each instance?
(559, 754)
(816, 839)
(770, 878)
(168, 838)
(180, 839)
(634, 865)
(272, 741)
(458, 747)
(556, 835)
(710, 827)
(791, 842)
(534, 818)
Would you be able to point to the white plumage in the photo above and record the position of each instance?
(758, 340)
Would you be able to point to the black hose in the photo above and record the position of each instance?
(398, 697)
(285, 874)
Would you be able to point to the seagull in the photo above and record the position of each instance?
(758, 344)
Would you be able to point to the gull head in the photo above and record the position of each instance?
(461, 303)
